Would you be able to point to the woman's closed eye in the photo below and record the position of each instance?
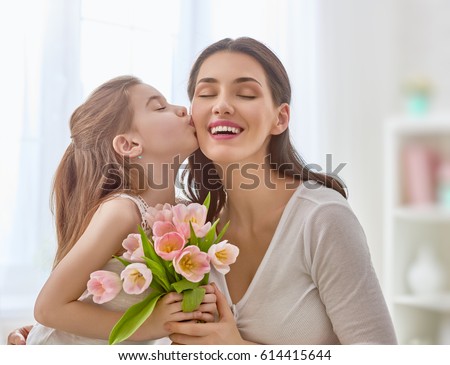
(247, 96)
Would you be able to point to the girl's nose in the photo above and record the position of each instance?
(181, 111)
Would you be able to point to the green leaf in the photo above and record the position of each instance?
(192, 299)
(184, 284)
(206, 242)
(170, 271)
(122, 260)
(133, 318)
(193, 239)
(158, 273)
(149, 250)
(222, 232)
(207, 200)
(155, 285)
(205, 280)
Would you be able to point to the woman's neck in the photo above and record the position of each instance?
(251, 193)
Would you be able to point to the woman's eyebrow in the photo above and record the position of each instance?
(211, 80)
(246, 79)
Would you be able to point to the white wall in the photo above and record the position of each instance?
(366, 50)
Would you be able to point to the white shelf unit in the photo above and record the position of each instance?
(417, 319)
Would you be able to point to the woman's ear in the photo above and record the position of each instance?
(284, 113)
(125, 146)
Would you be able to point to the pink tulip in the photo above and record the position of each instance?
(158, 213)
(136, 278)
(161, 228)
(192, 264)
(222, 255)
(133, 245)
(194, 213)
(104, 286)
(169, 245)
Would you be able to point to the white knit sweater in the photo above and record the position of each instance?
(316, 283)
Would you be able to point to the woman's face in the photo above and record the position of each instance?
(166, 130)
(233, 109)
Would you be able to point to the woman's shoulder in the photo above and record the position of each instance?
(318, 203)
(320, 194)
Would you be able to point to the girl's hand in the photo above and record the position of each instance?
(168, 309)
(223, 332)
(19, 336)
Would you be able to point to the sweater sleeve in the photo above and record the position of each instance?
(342, 270)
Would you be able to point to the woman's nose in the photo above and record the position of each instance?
(222, 106)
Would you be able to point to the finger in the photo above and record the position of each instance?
(172, 297)
(208, 318)
(186, 316)
(209, 298)
(208, 308)
(191, 316)
(16, 338)
(209, 288)
(191, 329)
(222, 305)
(188, 340)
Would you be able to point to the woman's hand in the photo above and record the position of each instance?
(19, 336)
(223, 332)
(168, 309)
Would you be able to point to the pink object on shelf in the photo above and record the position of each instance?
(419, 169)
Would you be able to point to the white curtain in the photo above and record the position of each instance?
(40, 87)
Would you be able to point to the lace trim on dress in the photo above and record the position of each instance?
(142, 206)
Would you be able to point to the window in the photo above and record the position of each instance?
(128, 37)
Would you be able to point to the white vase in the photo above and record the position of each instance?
(444, 330)
(426, 275)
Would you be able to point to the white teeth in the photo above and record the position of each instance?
(223, 128)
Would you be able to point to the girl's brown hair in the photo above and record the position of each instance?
(282, 155)
(90, 170)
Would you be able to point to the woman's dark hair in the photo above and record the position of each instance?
(282, 154)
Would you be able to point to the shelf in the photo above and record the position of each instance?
(438, 303)
(420, 125)
(423, 214)
(409, 226)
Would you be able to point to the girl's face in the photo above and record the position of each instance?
(233, 109)
(164, 130)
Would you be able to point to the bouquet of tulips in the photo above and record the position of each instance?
(175, 255)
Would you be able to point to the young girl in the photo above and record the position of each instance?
(124, 136)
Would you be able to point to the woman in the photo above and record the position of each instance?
(304, 273)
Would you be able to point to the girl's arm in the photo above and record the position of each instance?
(57, 305)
